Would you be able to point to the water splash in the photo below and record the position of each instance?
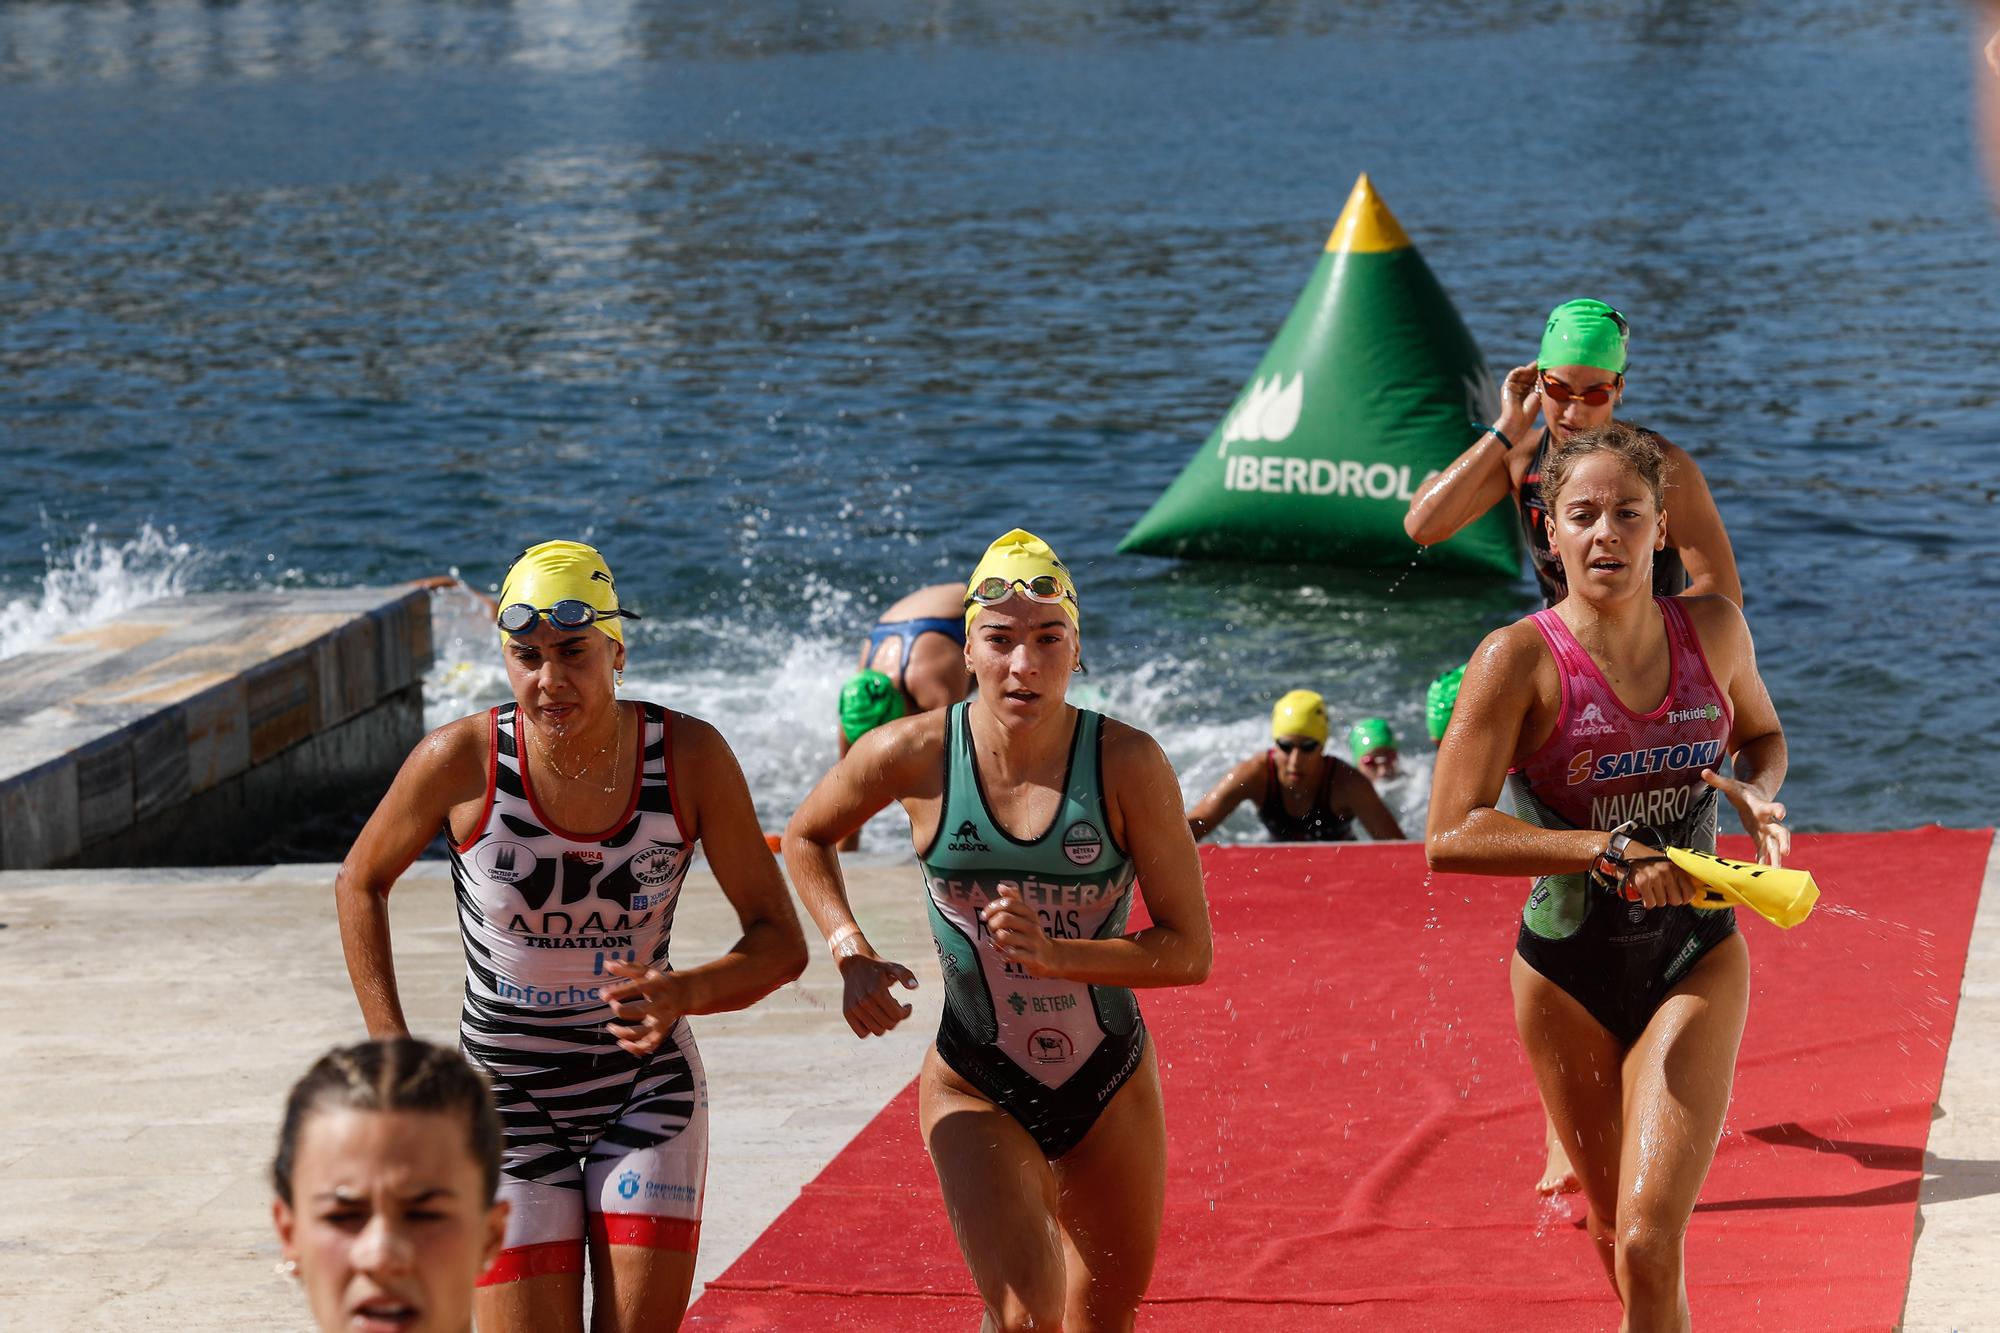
(1401, 579)
(94, 581)
(1554, 1215)
(772, 691)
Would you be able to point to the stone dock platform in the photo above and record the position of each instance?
(151, 1021)
(161, 737)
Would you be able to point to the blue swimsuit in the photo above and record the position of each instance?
(908, 631)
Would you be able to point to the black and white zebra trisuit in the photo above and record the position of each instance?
(594, 1136)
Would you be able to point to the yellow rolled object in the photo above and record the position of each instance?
(1781, 896)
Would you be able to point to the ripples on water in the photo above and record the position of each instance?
(790, 307)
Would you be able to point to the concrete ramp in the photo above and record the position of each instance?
(185, 730)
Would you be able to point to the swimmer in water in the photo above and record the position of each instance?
(1301, 793)
(1040, 1098)
(384, 1179)
(913, 662)
(1575, 384)
(1607, 720)
(572, 1009)
(1373, 744)
(1440, 698)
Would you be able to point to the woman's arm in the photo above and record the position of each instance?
(1352, 788)
(897, 759)
(1694, 528)
(1757, 752)
(1143, 799)
(1466, 834)
(447, 769)
(1483, 475)
(1237, 786)
(771, 950)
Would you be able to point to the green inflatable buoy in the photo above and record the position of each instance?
(1371, 387)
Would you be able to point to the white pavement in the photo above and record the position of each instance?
(152, 1021)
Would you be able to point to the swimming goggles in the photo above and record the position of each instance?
(1597, 395)
(569, 613)
(995, 589)
(1291, 743)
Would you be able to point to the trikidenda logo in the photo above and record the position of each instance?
(1706, 713)
(967, 839)
(1590, 722)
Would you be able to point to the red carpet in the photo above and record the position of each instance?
(1355, 1134)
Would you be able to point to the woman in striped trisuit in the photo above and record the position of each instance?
(572, 1008)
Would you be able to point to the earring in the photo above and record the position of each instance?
(286, 1268)
(618, 679)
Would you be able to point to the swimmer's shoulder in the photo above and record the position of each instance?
(1681, 465)
(907, 754)
(1510, 654)
(1718, 622)
(1128, 754)
(454, 761)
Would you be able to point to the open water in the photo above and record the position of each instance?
(791, 307)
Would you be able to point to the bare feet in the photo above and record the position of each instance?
(1558, 1176)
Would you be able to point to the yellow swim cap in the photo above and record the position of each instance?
(1019, 558)
(548, 573)
(1300, 713)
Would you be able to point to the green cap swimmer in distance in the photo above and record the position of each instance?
(1369, 735)
(1440, 699)
(1584, 333)
(867, 700)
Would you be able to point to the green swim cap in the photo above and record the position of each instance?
(867, 700)
(1440, 699)
(1584, 333)
(1369, 735)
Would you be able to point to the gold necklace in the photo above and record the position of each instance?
(616, 746)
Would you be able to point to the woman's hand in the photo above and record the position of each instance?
(1520, 402)
(1657, 881)
(649, 1002)
(865, 1000)
(1017, 934)
(1763, 818)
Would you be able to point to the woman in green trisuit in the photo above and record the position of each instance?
(1040, 1100)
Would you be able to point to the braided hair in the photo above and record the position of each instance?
(398, 1074)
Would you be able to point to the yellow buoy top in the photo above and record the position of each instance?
(1366, 226)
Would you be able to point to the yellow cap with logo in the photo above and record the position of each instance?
(1020, 563)
(1300, 713)
(563, 571)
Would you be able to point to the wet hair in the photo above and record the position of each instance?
(399, 1074)
(1639, 448)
